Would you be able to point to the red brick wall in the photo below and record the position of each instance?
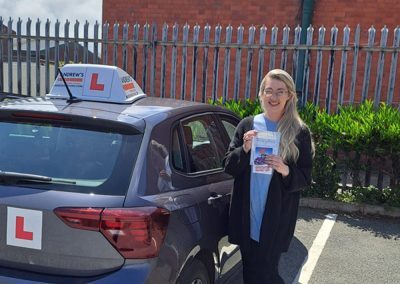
(234, 12)
(366, 13)
(326, 13)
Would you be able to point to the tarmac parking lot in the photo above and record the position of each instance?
(333, 247)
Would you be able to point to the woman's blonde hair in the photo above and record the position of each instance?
(290, 123)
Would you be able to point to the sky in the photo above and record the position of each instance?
(73, 10)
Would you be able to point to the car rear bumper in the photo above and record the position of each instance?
(132, 273)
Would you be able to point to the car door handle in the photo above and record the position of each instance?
(213, 197)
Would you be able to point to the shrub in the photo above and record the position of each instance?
(357, 138)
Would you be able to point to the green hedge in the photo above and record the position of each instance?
(360, 141)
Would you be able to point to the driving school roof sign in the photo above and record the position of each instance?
(95, 83)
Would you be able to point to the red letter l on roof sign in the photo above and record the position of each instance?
(94, 85)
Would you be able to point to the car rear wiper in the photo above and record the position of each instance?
(5, 96)
(15, 177)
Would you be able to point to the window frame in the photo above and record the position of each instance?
(198, 117)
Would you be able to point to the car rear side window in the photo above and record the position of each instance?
(229, 127)
(76, 159)
(202, 142)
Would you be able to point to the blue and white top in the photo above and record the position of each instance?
(259, 184)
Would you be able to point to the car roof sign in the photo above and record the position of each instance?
(94, 82)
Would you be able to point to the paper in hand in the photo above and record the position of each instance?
(263, 144)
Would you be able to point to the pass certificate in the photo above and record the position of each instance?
(264, 144)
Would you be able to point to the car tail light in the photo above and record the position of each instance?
(134, 232)
(80, 218)
(38, 115)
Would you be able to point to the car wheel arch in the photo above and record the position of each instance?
(207, 258)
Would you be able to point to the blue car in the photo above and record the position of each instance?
(101, 184)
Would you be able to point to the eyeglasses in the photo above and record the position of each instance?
(279, 93)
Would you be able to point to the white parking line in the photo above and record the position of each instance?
(314, 252)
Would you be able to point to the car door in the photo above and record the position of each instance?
(230, 258)
(206, 145)
(185, 175)
(207, 140)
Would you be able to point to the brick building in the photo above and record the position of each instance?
(325, 13)
(251, 12)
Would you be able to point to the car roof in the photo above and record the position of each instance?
(104, 92)
(141, 109)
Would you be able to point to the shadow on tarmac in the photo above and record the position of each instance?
(292, 261)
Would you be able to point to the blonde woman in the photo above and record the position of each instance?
(264, 206)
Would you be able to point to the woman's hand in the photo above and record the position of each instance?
(247, 140)
(277, 164)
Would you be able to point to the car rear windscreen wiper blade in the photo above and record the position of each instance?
(15, 177)
(5, 96)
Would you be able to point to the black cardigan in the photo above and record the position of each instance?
(280, 216)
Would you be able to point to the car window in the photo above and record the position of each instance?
(229, 127)
(77, 159)
(202, 143)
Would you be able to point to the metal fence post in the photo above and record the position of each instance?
(381, 64)
(207, 29)
(228, 40)
(217, 39)
(196, 30)
(368, 60)
(238, 64)
(164, 39)
(393, 66)
(343, 65)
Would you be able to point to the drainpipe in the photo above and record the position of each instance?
(306, 20)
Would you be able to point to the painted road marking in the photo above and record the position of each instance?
(315, 251)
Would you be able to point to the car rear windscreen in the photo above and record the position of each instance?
(75, 159)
